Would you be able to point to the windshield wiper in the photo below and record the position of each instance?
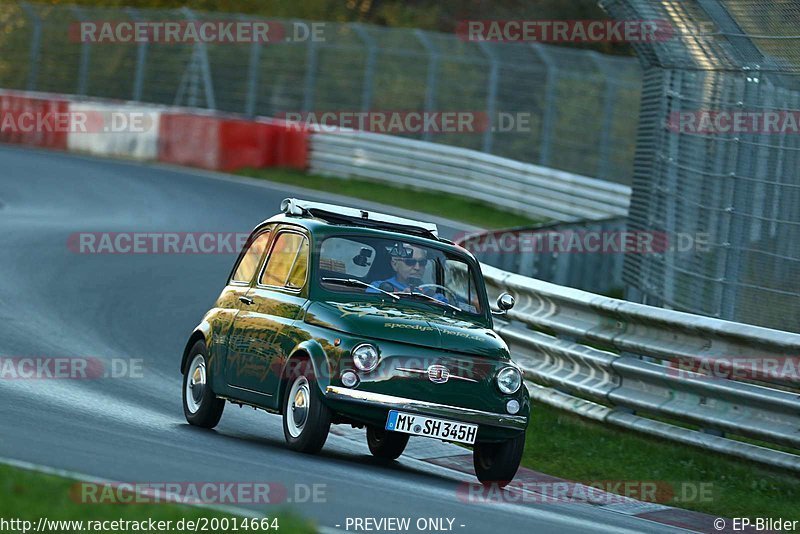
(353, 282)
(430, 298)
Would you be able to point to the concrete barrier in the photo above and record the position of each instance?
(117, 130)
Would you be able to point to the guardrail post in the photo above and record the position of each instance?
(36, 45)
(369, 66)
(431, 78)
(83, 66)
(548, 118)
(141, 59)
(491, 96)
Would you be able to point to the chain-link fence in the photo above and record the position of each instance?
(581, 107)
(718, 154)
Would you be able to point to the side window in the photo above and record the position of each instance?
(247, 267)
(288, 262)
(297, 278)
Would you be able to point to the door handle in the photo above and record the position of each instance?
(246, 300)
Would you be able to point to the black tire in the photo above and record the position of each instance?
(497, 463)
(203, 408)
(305, 431)
(384, 444)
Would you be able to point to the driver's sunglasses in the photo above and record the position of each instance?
(411, 262)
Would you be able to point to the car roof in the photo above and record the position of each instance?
(321, 228)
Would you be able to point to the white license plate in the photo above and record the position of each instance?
(432, 427)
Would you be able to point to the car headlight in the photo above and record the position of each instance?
(365, 357)
(509, 380)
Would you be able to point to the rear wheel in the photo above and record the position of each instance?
(384, 444)
(200, 406)
(497, 463)
(306, 420)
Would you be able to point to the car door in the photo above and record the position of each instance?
(264, 323)
(229, 303)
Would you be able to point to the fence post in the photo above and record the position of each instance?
(739, 191)
(369, 66)
(199, 61)
(491, 96)
(36, 45)
(310, 81)
(252, 77)
(141, 59)
(671, 187)
(83, 67)
(431, 78)
(609, 99)
(548, 118)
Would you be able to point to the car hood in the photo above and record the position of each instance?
(405, 324)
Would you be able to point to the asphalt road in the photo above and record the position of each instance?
(57, 303)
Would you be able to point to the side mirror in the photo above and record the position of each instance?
(504, 303)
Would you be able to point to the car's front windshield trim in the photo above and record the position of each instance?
(475, 288)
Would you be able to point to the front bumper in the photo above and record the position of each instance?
(389, 402)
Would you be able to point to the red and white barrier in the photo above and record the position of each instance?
(128, 131)
(33, 120)
(181, 136)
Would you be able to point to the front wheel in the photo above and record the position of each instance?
(497, 463)
(306, 420)
(385, 444)
(200, 406)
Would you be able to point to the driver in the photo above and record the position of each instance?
(408, 263)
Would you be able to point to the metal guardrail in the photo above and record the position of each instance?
(557, 253)
(524, 188)
(608, 360)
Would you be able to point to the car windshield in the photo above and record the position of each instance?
(406, 270)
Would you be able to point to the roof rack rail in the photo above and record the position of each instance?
(358, 217)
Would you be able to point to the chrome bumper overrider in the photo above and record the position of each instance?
(465, 415)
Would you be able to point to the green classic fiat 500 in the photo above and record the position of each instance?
(335, 315)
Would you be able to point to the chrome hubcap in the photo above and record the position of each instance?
(300, 398)
(195, 383)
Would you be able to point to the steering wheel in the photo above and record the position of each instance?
(445, 289)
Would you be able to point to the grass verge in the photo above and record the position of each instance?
(28, 496)
(441, 204)
(567, 446)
